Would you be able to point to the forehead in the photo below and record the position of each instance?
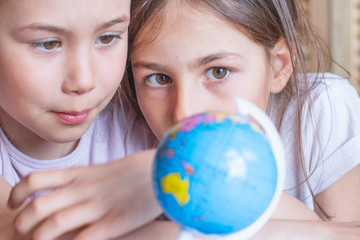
(191, 17)
(170, 17)
(174, 14)
(191, 34)
(13, 12)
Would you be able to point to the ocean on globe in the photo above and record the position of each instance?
(215, 173)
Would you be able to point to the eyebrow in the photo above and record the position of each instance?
(42, 27)
(213, 57)
(55, 29)
(122, 19)
(148, 65)
(197, 63)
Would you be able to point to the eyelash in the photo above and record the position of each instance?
(40, 45)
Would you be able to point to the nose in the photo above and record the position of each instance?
(80, 77)
(188, 101)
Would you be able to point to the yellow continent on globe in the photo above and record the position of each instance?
(173, 184)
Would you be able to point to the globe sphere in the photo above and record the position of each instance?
(215, 173)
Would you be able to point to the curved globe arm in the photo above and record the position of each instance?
(247, 108)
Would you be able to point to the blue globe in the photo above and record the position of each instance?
(215, 173)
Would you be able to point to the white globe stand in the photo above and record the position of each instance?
(248, 109)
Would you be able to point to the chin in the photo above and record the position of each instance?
(68, 135)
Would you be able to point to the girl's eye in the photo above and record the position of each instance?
(217, 73)
(47, 45)
(107, 39)
(158, 79)
(51, 45)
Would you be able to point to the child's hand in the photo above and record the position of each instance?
(104, 201)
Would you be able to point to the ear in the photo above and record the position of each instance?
(281, 63)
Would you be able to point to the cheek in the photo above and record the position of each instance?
(112, 71)
(33, 75)
(257, 90)
(155, 123)
(24, 78)
(149, 109)
(264, 92)
(114, 76)
(155, 115)
(20, 95)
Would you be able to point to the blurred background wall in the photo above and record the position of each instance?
(338, 21)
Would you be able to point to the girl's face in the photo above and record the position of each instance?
(197, 63)
(60, 64)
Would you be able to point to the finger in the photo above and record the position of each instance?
(68, 220)
(105, 228)
(44, 206)
(115, 223)
(37, 181)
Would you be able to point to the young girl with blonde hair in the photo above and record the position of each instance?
(190, 56)
(61, 63)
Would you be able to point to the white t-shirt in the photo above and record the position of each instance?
(335, 120)
(115, 133)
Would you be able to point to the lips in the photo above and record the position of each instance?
(72, 117)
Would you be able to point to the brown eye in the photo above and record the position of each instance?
(107, 39)
(219, 73)
(50, 45)
(158, 79)
(162, 79)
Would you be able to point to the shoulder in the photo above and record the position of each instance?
(117, 117)
(331, 126)
(332, 110)
(329, 130)
(118, 124)
(333, 98)
(7, 167)
(330, 83)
